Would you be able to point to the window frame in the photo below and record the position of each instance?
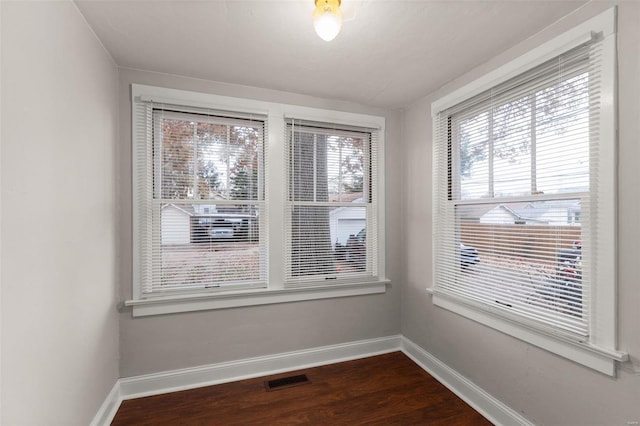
(274, 200)
(184, 114)
(369, 203)
(599, 350)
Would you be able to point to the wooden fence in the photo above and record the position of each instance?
(535, 243)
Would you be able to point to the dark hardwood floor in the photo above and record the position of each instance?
(387, 389)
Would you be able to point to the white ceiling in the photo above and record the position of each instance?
(388, 54)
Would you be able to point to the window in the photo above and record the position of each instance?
(331, 206)
(524, 220)
(208, 195)
(216, 225)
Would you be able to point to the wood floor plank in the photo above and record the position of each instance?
(387, 389)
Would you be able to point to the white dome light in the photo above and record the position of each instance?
(327, 19)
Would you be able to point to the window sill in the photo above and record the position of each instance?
(592, 356)
(200, 302)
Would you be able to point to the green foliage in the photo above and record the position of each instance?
(210, 175)
(356, 186)
(244, 183)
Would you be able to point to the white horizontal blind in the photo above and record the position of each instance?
(331, 208)
(516, 172)
(201, 203)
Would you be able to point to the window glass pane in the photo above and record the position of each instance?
(512, 148)
(208, 245)
(562, 138)
(177, 150)
(524, 257)
(242, 160)
(346, 175)
(473, 136)
(328, 240)
(328, 167)
(207, 158)
(535, 144)
(309, 171)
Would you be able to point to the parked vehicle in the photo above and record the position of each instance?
(568, 279)
(468, 256)
(569, 264)
(221, 232)
(356, 249)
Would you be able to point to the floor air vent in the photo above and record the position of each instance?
(286, 382)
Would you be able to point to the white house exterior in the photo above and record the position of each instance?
(345, 221)
(556, 213)
(175, 225)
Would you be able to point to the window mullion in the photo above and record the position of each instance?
(490, 152)
(340, 171)
(196, 190)
(315, 166)
(228, 155)
(533, 106)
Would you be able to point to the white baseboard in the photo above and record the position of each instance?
(109, 407)
(491, 408)
(189, 378)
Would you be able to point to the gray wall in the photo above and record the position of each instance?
(167, 342)
(59, 126)
(545, 388)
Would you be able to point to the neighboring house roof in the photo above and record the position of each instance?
(525, 211)
(523, 214)
(188, 210)
(475, 212)
(535, 211)
(518, 210)
(357, 202)
(346, 197)
(184, 208)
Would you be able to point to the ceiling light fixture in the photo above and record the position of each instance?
(327, 18)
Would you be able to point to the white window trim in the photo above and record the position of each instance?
(143, 305)
(600, 351)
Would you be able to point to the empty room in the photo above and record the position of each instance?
(328, 212)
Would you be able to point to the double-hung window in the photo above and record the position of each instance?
(331, 205)
(524, 197)
(237, 204)
(201, 201)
